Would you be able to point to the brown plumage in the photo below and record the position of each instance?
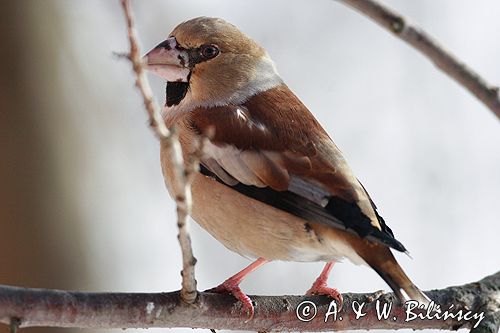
(273, 185)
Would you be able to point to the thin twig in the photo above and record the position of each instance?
(183, 189)
(478, 302)
(427, 45)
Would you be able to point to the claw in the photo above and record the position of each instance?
(229, 287)
(323, 289)
(319, 286)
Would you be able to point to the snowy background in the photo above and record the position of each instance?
(426, 150)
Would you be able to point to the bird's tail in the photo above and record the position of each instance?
(381, 259)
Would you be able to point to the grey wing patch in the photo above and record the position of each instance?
(226, 160)
(250, 167)
(213, 166)
(309, 191)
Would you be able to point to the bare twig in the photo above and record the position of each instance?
(442, 58)
(478, 302)
(183, 190)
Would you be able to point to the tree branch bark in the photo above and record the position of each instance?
(479, 302)
(428, 46)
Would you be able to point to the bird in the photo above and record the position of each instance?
(272, 185)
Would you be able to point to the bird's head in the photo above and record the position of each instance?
(209, 62)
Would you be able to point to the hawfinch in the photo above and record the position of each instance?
(272, 184)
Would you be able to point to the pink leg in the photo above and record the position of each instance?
(319, 286)
(231, 286)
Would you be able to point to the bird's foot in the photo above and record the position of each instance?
(232, 287)
(322, 289)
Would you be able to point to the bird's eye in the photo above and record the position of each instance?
(209, 51)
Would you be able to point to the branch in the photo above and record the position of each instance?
(478, 302)
(442, 58)
(183, 176)
(474, 305)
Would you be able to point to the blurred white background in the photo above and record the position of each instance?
(426, 150)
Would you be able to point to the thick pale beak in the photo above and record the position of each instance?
(168, 61)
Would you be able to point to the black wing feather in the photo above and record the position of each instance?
(337, 212)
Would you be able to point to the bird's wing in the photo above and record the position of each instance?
(271, 148)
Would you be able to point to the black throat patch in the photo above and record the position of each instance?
(175, 92)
